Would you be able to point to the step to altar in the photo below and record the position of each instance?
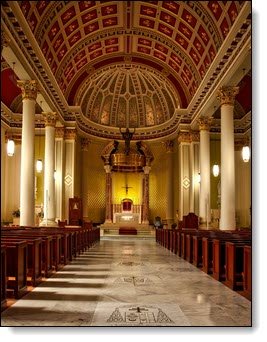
(113, 229)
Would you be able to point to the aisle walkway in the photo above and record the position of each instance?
(129, 282)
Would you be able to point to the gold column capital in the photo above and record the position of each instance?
(227, 94)
(184, 137)
(59, 132)
(168, 145)
(85, 142)
(204, 123)
(70, 134)
(29, 89)
(194, 135)
(50, 118)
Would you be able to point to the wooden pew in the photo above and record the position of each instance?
(3, 278)
(247, 275)
(219, 252)
(234, 265)
(34, 256)
(16, 267)
(47, 247)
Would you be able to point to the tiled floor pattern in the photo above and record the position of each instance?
(129, 282)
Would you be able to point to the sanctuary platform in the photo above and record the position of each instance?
(127, 228)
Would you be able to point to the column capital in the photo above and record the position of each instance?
(50, 118)
(204, 123)
(146, 169)
(108, 168)
(168, 145)
(70, 134)
(59, 132)
(227, 95)
(184, 137)
(85, 142)
(194, 135)
(29, 89)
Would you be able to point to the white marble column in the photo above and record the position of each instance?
(227, 97)
(49, 168)
(184, 140)
(27, 198)
(194, 170)
(145, 215)
(204, 198)
(108, 218)
(169, 182)
(59, 167)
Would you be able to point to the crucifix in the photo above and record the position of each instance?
(126, 188)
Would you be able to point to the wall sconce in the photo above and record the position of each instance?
(245, 153)
(10, 147)
(215, 170)
(39, 165)
(198, 178)
(55, 174)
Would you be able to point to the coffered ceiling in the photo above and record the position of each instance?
(88, 55)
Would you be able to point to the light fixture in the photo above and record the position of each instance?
(198, 178)
(10, 147)
(39, 165)
(215, 167)
(39, 162)
(246, 153)
(55, 174)
(215, 170)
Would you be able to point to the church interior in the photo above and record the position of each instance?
(125, 163)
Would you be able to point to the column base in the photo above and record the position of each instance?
(108, 221)
(145, 222)
(48, 223)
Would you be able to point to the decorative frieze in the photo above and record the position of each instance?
(85, 144)
(50, 118)
(205, 123)
(29, 89)
(227, 95)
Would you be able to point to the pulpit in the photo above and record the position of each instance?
(75, 211)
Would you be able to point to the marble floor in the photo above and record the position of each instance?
(129, 282)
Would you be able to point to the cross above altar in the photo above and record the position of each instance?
(126, 188)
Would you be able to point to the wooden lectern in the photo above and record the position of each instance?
(75, 211)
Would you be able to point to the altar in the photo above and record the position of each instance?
(127, 212)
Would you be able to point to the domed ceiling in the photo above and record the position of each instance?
(124, 63)
(128, 96)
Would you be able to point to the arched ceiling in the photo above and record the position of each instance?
(86, 41)
(182, 37)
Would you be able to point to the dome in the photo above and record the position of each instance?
(129, 97)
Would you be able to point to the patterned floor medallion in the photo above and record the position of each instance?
(133, 280)
(139, 315)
